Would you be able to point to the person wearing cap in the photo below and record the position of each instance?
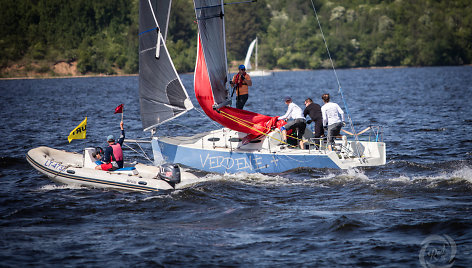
(113, 156)
(242, 82)
(333, 119)
(293, 112)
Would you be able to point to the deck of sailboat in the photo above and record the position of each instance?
(226, 140)
(222, 151)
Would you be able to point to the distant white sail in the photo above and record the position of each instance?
(247, 61)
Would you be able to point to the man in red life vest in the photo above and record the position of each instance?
(242, 82)
(113, 156)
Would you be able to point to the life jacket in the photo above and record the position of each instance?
(242, 88)
(117, 154)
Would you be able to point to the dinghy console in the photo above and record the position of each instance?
(89, 158)
(169, 173)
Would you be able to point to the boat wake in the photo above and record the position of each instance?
(459, 178)
(53, 187)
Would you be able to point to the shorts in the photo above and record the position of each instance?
(106, 167)
(299, 123)
(333, 131)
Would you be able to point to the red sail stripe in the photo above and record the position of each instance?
(203, 92)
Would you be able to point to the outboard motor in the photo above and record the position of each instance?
(170, 173)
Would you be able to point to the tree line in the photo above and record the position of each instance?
(103, 35)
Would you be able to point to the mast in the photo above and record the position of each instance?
(256, 52)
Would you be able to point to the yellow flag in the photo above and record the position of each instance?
(78, 132)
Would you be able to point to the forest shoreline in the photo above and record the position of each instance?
(231, 70)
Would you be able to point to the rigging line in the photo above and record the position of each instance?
(154, 15)
(265, 134)
(142, 154)
(204, 115)
(252, 128)
(243, 2)
(336, 75)
(156, 28)
(332, 65)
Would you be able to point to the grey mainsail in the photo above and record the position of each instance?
(162, 95)
(211, 27)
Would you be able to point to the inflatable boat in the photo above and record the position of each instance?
(79, 169)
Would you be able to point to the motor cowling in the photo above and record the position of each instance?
(170, 173)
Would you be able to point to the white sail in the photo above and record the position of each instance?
(247, 61)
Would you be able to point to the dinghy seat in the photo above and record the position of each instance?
(126, 170)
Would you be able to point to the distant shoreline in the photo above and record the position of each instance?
(65, 76)
(231, 70)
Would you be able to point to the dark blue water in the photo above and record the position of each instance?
(414, 211)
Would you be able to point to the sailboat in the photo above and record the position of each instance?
(247, 61)
(248, 142)
(162, 98)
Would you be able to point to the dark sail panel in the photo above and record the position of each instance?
(162, 95)
(210, 18)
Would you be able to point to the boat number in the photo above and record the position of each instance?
(55, 165)
(241, 163)
(131, 181)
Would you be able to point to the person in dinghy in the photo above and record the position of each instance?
(113, 156)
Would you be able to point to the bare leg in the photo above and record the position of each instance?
(284, 135)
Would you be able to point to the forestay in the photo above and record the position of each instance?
(162, 95)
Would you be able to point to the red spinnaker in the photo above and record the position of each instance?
(235, 119)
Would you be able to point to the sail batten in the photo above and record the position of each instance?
(162, 95)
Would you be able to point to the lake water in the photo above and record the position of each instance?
(414, 211)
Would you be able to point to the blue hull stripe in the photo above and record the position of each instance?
(233, 162)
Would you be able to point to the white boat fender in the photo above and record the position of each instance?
(170, 173)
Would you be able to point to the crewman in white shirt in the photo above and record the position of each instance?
(333, 119)
(293, 112)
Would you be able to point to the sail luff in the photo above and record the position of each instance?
(210, 19)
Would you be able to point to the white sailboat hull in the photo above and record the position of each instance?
(78, 169)
(221, 151)
(256, 73)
